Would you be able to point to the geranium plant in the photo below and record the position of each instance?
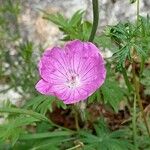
(74, 97)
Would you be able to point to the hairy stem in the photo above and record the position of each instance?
(95, 19)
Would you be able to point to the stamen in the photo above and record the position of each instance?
(73, 81)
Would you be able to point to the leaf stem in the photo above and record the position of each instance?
(95, 19)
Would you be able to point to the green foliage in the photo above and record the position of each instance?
(23, 111)
(21, 76)
(12, 130)
(144, 36)
(26, 50)
(96, 96)
(8, 18)
(143, 142)
(145, 80)
(112, 93)
(9, 6)
(43, 103)
(45, 135)
(129, 38)
(105, 42)
(104, 139)
(25, 77)
(9, 32)
(73, 28)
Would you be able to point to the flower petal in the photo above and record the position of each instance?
(79, 60)
(43, 87)
(52, 67)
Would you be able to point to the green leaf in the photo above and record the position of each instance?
(44, 103)
(145, 80)
(26, 50)
(86, 30)
(72, 28)
(60, 104)
(112, 93)
(57, 19)
(96, 96)
(105, 42)
(25, 112)
(45, 135)
(76, 18)
(104, 139)
(46, 144)
(128, 36)
(143, 142)
(13, 128)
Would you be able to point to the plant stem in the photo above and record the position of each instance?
(77, 121)
(134, 106)
(134, 122)
(136, 82)
(143, 114)
(95, 19)
(126, 80)
(79, 146)
(76, 117)
(138, 11)
(136, 85)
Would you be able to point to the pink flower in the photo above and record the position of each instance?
(71, 73)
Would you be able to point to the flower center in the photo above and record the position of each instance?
(73, 80)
